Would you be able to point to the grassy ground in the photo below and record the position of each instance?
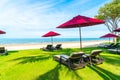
(39, 65)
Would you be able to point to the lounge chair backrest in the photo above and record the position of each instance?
(95, 52)
(114, 45)
(110, 44)
(76, 55)
(2, 49)
(49, 47)
(117, 44)
(58, 46)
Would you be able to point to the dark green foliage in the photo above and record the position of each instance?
(110, 12)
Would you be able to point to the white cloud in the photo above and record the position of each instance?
(31, 19)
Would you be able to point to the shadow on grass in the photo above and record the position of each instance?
(31, 59)
(11, 52)
(106, 75)
(76, 76)
(73, 74)
(114, 60)
(66, 51)
(27, 59)
(63, 51)
(8, 53)
(50, 75)
(54, 74)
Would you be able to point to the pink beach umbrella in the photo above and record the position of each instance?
(117, 30)
(51, 34)
(109, 35)
(80, 21)
(2, 32)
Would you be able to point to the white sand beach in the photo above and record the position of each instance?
(40, 45)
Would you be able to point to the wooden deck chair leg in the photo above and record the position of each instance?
(69, 65)
(81, 60)
(90, 59)
(60, 60)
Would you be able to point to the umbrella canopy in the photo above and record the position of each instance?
(109, 35)
(51, 34)
(80, 21)
(2, 32)
(117, 30)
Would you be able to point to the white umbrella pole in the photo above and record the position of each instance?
(80, 38)
(52, 40)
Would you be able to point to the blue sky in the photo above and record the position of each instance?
(33, 18)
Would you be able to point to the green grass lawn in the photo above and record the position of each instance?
(39, 65)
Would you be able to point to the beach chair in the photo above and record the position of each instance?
(105, 45)
(94, 57)
(114, 46)
(48, 48)
(74, 61)
(3, 51)
(115, 50)
(109, 45)
(58, 46)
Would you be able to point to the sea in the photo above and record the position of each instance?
(43, 40)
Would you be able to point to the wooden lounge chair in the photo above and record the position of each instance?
(3, 51)
(115, 50)
(105, 45)
(94, 57)
(114, 46)
(74, 61)
(58, 46)
(48, 48)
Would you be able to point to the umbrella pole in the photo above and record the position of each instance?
(109, 40)
(52, 40)
(80, 38)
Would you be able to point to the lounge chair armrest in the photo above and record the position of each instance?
(64, 57)
(85, 55)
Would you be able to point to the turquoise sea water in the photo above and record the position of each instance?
(43, 40)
